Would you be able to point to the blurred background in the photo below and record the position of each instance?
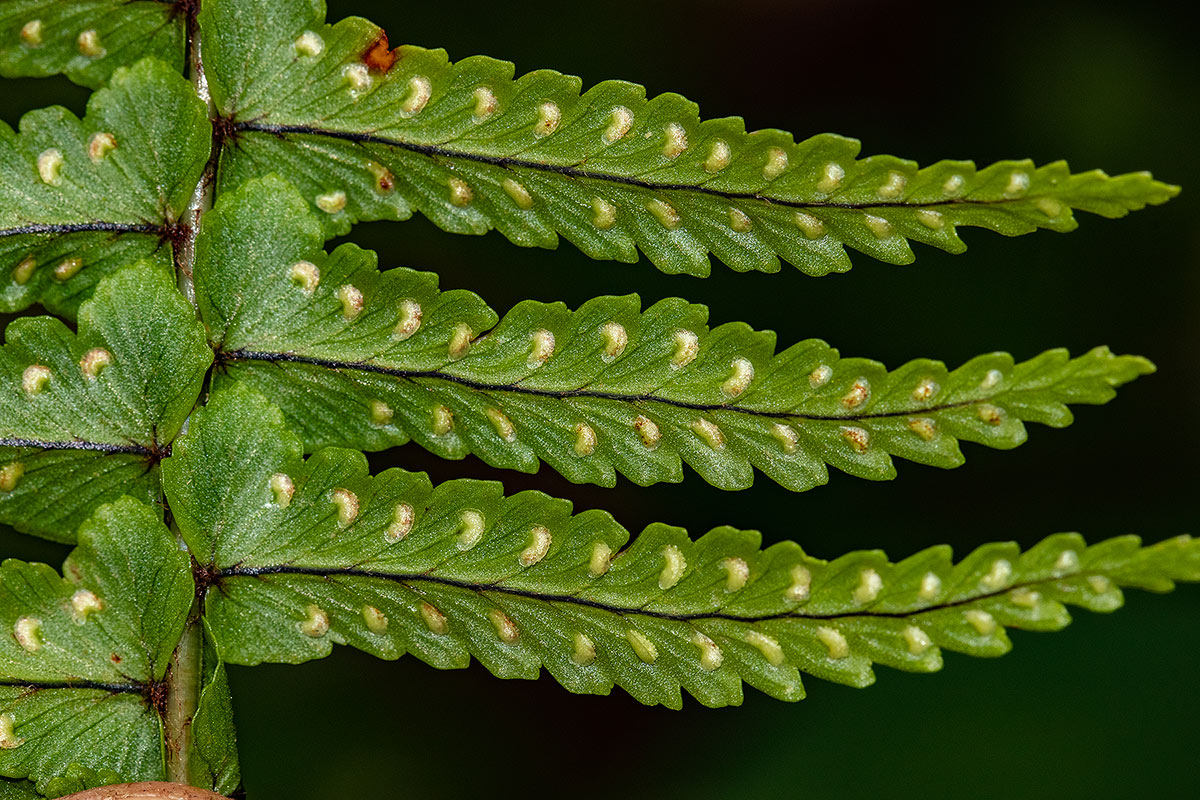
(1107, 708)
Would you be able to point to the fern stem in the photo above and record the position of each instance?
(184, 674)
(183, 697)
(202, 195)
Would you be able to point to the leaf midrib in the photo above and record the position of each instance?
(568, 394)
(98, 226)
(221, 574)
(574, 171)
(79, 444)
(41, 685)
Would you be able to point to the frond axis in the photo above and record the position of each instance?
(134, 687)
(572, 171)
(99, 226)
(80, 444)
(568, 394)
(329, 573)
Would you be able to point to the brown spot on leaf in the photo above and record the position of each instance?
(116, 659)
(379, 57)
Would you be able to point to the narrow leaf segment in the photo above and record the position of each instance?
(370, 360)
(87, 40)
(83, 656)
(213, 761)
(367, 133)
(79, 199)
(302, 555)
(84, 418)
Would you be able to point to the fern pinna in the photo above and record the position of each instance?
(197, 433)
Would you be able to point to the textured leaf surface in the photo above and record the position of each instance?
(368, 360)
(613, 172)
(87, 39)
(74, 778)
(213, 763)
(18, 790)
(305, 555)
(84, 417)
(81, 652)
(81, 198)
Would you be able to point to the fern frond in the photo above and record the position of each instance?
(83, 655)
(370, 134)
(84, 418)
(81, 198)
(87, 40)
(301, 555)
(370, 360)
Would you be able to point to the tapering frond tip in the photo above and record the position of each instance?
(1136, 366)
(1157, 567)
(1115, 370)
(1116, 196)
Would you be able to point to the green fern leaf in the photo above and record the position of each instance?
(213, 763)
(301, 555)
(18, 790)
(87, 40)
(85, 417)
(81, 198)
(613, 172)
(88, 651)
(368, 360)
(77, 778)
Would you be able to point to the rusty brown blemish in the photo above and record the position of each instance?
(378, 56)
(156, 695)
(116, 659)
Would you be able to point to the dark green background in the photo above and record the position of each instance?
(1107, 708)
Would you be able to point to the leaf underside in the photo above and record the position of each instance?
(213, 763)
(610, 170)
(72, 778)
(84, 417)
(370, 360)
(307, 554)
(18, 790)
(297, 554)
(86, 648)
(87, 40)
(79, 199)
